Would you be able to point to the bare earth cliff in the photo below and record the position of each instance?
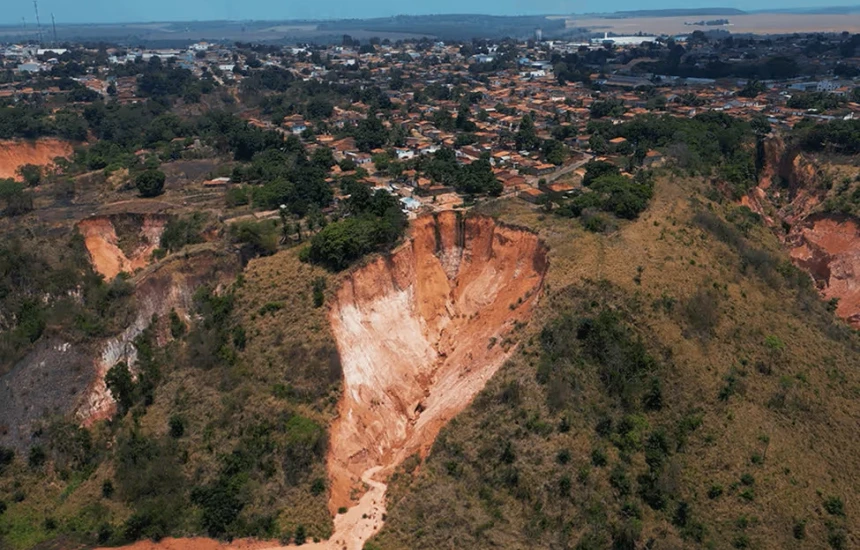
(825, 244)
(419, 333)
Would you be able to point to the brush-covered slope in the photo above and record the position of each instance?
(222, 432)
(680, 385)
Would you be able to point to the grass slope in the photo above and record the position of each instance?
(253, 386)
(680, 385)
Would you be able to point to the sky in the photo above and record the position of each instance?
(122, 11)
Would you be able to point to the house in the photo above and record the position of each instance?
(410, 204)
(539, 169)
(653, 158)
(29, 68)
(216, 182)
(404, 154)
(531, 195)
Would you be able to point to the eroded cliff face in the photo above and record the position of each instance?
(16, 153)
(787, 188)
(826, 245)
(168, 286)
(420, 332)
(103, 242)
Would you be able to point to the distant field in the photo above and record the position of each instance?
(762, 23)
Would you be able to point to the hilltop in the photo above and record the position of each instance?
(409, 293)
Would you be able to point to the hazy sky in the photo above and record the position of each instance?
(105, 11)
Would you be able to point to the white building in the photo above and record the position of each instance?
(624, 40)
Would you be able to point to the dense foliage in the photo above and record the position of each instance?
(710, 143)
(476, 178)
(376, 223)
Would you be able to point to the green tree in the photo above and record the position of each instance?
(31, 174)
(121, 386)
(526, 137)
(150, 183)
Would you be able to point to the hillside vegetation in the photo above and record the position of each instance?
(223, 431)
(681, 385)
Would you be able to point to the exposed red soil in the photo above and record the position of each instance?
(16, 153)
(162, 288)
(829, 248)
(420, 332)
(102, 243)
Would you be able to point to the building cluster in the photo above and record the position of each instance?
(500, 84)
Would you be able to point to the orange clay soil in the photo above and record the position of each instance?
(15, 153)
(829, 248)
(419, 333)
(102, 244)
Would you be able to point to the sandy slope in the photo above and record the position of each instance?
(15, 153)
(420, 333)
(102, 243)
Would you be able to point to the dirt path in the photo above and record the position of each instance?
(359, 523)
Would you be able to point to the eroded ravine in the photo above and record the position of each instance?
(419, 333)
(104, 247)
(828, 247)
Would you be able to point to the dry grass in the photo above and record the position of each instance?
(800, 419)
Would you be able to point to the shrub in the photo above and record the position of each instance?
(798, 531)
(837, 538)
(221, 506)
(301, 535)
(619, 480)
(702, 312)
(318, 486)
(177, 426)
(598, 458)
(834, 506)
(341, 243)
(37, 456)
(121, 386)
(715, 491)
(6, 457)
(177, 325)
(31, 174)
(262, 237)
(319, 286)
(107, 488)
(182, 231)
(682, 514)
(237, 196)
(17, 201)
(653, 398)
(150, 183)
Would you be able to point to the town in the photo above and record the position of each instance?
(418, 285)
(529, 107)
